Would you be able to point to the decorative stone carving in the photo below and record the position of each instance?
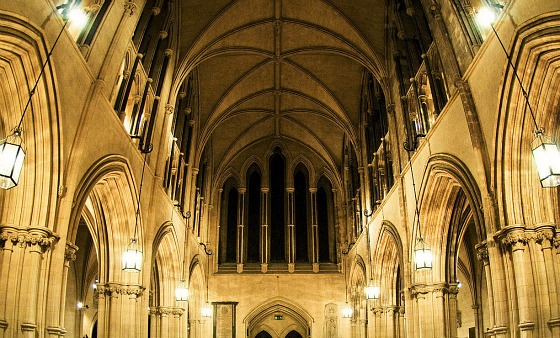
(129, 8)
(514, 236)
(70, 252)
(482, 252)
(390, 108)
(43, 237)
(545, 236)
(169, 108)
(331, 321)
(119, 289)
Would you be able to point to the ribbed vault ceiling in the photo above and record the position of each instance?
(280, 69)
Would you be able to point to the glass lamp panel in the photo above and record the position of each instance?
(132, 260)
(181, 293)
(207, 311)
(11, 164)
(347, 311)
(372, 292)
(547, 160)
(422, 256)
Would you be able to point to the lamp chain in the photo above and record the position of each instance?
(32, 91)
(416, 211)
(517, 77)
(138, 199)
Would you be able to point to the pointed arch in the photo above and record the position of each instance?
(23, 51)
(448, 187)
(534, 51)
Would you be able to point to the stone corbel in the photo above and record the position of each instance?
(482, 252)
(70, 252)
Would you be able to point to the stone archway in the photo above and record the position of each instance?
(278, 317)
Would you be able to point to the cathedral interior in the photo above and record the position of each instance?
(279, 168)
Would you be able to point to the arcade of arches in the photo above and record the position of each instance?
(278, 156)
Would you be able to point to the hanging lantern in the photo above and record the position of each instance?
(132, 257)
(207, 311)
(547, 159)
(11, 160)
(422, 255)
(347, 311)
(372, 291)
(182, 292)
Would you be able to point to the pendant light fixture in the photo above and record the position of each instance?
(132, 257)
(12, 153)
(423, 257)
(544, 148)
(182, 290)
(371, 290)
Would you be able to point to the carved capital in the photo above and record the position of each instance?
(390, 108)
(435, 9)
(114, 289)
(129, 8)
(377, 311)
(43, 237)
(169, 108)
(514, 236)
(557, 240)
(70, 252)
(482, 251)
(545, 237)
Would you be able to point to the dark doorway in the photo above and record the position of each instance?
(263, 334)
(293, 334)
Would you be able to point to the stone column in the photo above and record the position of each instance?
(378, 322)
(153, 322)
(545, 236)
(117, 46)
(439, 322)
(241, 230)
(69, 256)
(499, 290)
(482, 255)
(291, 231)
(391, 326)
(401, 327)
(164, 313)
(175, 324)
(20, 278)
(118, 315)
(314, 229)
(452, 292)
(264, 230)
(516, 238)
